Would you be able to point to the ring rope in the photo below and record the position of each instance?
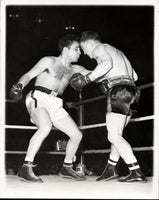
(149, 148)
(104, 124)
(40, 152)
(73, 104)
(80, 127)
(70, 104)
(92, 151)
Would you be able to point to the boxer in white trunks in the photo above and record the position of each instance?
(117, 78)
(52, 76)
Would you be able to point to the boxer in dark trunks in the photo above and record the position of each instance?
(117, 78)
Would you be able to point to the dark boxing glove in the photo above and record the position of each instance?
(16, 92)
(104, 86)
(78, 81)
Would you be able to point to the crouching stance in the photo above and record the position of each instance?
(46, 107)
(117, 78)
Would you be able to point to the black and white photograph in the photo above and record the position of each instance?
(79, 99)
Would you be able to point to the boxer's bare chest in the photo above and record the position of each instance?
(58, 71)
(61, 72)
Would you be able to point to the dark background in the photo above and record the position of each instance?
(33, 31)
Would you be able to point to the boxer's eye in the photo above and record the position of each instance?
(77, 49)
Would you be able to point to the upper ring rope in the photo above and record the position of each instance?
(69, 104)
(74, 104)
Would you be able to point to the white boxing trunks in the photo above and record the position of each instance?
(43, 97)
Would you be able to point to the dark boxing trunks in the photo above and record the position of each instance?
(121, 94)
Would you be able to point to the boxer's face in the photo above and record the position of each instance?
(87, 48)
(74, 52)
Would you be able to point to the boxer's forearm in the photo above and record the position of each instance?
(24, 80)
(100, 70)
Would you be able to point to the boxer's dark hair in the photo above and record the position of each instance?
(67, 40)
(89, 35)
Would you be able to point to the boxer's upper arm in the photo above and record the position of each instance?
(35, 71)
(39, 67)
(101, 54)
(104, 61)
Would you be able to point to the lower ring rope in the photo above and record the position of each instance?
(81, 127)
(150, 148)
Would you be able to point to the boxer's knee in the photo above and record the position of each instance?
(76, 137)
(44, 130)
(114, 137)
(40, 134)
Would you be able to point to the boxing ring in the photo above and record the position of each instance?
(54, 186)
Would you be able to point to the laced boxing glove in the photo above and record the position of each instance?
(78, 81)
(16, 92)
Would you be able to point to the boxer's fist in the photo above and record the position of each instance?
(78, 81)
(16, 92)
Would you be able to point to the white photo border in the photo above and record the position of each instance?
(5, 3)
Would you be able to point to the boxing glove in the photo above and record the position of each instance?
(16, 92)
(104, 86)
(78, 81)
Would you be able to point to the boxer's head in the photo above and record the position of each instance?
(67, 41)
(69, 46)
(88, 42)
